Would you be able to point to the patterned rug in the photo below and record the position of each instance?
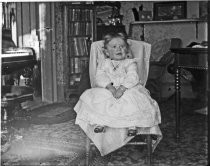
(50, 137)
(52, 114)
(55, 144)
(61, 142)
(190, 151)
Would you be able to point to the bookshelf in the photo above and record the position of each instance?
(79, 33)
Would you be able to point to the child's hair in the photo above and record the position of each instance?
(108, 37)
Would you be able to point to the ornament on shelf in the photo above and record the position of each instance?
(142, 15)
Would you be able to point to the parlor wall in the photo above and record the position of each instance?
(159, 33)
(40, 26)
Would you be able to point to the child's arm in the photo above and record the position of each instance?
(103, 80)
(120, 91)
(131, 79)
(111, 88)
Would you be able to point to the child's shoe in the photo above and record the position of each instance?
(99, 129)
(132, 131)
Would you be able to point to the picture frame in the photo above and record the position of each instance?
(172, 10)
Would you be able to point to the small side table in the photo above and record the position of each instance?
(196, 58)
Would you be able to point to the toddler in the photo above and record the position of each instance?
(119, 100)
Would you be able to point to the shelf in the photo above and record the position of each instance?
(78, 6)
(89, 36)
(79, 73)
(107, 26)
(167, 21)
(74, 86)
(80, 56)
(80, 21)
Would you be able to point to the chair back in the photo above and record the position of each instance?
(139, 49)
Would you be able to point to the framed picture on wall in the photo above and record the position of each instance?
(171, 10)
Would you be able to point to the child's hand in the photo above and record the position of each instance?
(111, 88)
(120, 91)
(113, 91)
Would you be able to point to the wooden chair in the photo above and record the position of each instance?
(137, 141)
(140, 50)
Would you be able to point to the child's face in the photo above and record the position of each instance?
(117, 49)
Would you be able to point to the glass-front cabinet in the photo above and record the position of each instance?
(79, 33)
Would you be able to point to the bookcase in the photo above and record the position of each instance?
(79, 33)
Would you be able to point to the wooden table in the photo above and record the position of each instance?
(194, 58)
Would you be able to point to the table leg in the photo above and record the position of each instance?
(177, 101)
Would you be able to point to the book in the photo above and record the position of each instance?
(76, 65)
(80, 46)
(88, 28)
(72, 66)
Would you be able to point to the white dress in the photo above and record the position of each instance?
(134, 108)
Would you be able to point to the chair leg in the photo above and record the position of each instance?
(87, 148)
(149, 150)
